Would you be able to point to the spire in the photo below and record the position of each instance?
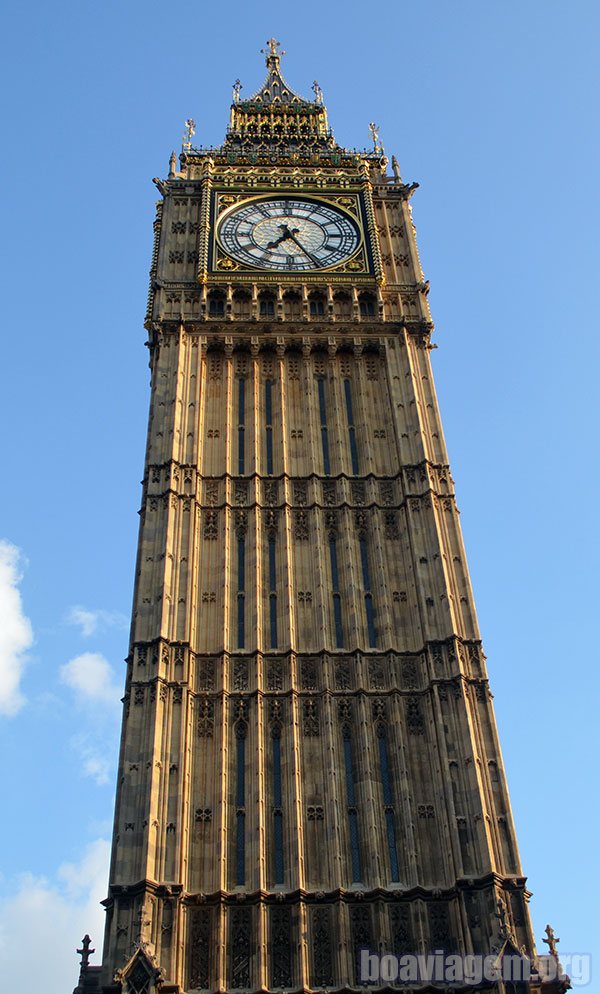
(275, 115)
(275, 89)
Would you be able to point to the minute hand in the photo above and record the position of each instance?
(312, 258)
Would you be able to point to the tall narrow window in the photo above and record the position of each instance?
(269, 425)
(277, 804)
(267, 306)
(337, 601)
(352, 810)
(240, 800)
(273, 588)
(241, 595)
(323, 418)
(388, 801)
(369, 609)
(316, 305)
(216, 305)
(241, 426)
(367, 305)
(351, 428)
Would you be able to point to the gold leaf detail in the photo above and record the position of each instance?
(226, 263)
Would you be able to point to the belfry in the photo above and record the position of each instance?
(310, 767)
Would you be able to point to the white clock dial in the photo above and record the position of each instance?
(288, 235)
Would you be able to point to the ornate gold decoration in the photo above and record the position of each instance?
(226, 263)
(272, 50)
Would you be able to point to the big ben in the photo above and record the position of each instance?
(310, 766)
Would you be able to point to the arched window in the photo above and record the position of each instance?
(316, 303)
(216, 304)
(292, 306)
(242, 305)
(267, 305)
(342, 306)
(367, 305)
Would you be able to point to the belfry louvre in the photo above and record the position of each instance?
(309, 764)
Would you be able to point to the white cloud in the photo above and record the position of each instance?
(16, 635)
(91, 621)
(42, 922)
(92, 678)
(95, 764)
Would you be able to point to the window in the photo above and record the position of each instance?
(337, 600)
(273, 589)
(352, 809)
(267, 305)
(242, 305)
(292, 306)
(241, 426)
(216, 305)
(351, 428)
(317, 305)
(369, 609)
(388, 801)
(269, 425)
(367, 305)
(324, 434)
(241, 596)
(277, 802)
(342, 306)
(240, 798)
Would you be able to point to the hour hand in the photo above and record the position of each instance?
(287, 233)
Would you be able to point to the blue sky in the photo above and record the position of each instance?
(492, 108)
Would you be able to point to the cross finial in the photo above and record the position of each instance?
(237, 86)
(188, 134)
(377, 146)
(272, 52)
(85, 952)
(551, 941)
(318, 92)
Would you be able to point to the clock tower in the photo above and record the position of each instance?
(309, 765)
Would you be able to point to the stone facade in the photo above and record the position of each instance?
(309, 761)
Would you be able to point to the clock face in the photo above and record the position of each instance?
(288, 235)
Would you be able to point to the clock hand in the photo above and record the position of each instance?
(282, 238)
(312, 258)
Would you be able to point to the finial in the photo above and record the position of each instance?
(172, 165)
(190, 131)
(396, 169)
(237, 86)
(502, 917)
(551, 941)
(377, 146)
(318, 92)
(272, 53)
(85, 952)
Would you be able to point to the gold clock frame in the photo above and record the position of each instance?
(223, 265)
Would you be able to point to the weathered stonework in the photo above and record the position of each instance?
(310, 760)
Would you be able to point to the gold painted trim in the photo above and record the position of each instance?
(355, 219)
